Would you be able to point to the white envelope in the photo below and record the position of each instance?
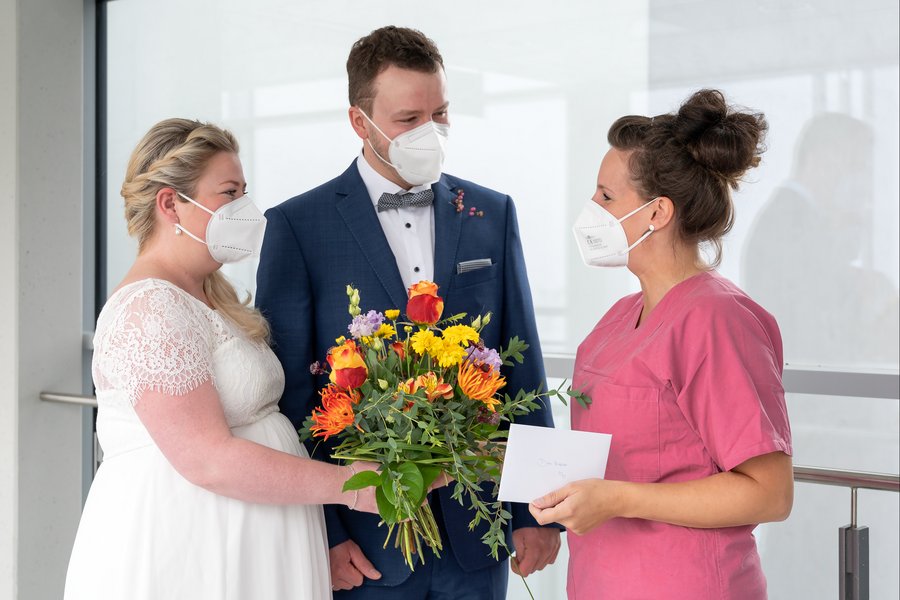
(542, 459)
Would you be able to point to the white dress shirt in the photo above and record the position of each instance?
(409, 230)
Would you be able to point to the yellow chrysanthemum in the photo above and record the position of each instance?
(385, 331)
(423, 340)
(392, 314)
(447, 353)
(461, 334)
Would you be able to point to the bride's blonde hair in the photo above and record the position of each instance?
(174, 153)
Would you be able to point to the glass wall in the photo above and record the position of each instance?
(534, 87)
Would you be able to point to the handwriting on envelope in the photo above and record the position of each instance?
(541, 459)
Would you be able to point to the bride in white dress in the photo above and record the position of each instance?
(204, 491)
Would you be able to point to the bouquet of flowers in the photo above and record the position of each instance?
(420, 397)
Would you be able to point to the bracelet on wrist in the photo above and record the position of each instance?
(355, 492)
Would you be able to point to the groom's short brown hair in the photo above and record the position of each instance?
(398, 46)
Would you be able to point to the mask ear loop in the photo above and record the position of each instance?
(179, 229)
(650, 230)
(369, 142)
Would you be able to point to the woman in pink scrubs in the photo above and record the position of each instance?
(685, 375)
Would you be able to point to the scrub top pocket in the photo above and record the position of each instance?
(631, 415)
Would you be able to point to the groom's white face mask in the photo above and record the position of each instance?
(418, 154)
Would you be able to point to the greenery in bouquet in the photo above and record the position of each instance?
(421, 397)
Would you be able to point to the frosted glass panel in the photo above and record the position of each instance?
(533, 88)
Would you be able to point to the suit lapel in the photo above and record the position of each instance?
(447, 224)
(355, 207)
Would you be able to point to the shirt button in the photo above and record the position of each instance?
(416, 269)
(408, 225)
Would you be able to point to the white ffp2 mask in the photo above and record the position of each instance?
(235, 231)
(418, 154)
(601, 238)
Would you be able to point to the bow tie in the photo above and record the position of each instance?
(389, 201)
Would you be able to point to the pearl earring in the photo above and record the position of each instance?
(177, 230)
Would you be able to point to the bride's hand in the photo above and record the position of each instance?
(442, 480)
(362, 500)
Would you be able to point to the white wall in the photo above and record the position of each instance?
(40, 297)
(8, 313)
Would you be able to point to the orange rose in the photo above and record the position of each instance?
(348, 369)
(424, 306)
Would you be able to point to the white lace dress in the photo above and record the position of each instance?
(146, 533)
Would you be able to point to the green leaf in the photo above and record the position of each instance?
(429, 474)
(386, 509)
(514, 349)
(387, 488)
(453, 318)
(583, 399)
(362, 480)
(411, 478)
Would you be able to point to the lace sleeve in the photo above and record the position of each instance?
(155, 340)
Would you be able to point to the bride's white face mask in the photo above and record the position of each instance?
(235, 231)
(601, 238)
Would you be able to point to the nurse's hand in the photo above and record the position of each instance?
(580, 506)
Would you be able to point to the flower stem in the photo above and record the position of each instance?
(528, 589)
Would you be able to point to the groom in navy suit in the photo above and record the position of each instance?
(390, 220)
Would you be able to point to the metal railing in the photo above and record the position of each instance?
(853, 540)
(69, 399)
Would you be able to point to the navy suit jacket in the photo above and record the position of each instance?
(317, 243)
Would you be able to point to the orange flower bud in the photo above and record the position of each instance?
(424, 306)
(348, 369)
(399, 349)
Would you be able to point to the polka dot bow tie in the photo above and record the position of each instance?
(389, 201)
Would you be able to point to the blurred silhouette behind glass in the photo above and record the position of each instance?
(803, 257)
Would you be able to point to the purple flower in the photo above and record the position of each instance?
(318, 368)
(486, 416)
(365, 325)
(484, 356)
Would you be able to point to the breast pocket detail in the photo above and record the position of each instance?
(631, 415)
(470, 278)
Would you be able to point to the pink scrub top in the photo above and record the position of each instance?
(694, 391)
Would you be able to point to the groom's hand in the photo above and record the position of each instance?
(536, 547)
(349, 566)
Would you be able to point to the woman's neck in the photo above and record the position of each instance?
(157, 265)
(661, 275)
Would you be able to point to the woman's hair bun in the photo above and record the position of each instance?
(725, 141)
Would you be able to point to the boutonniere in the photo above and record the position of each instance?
(458, 203)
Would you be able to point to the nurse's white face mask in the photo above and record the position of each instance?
(601, 238)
